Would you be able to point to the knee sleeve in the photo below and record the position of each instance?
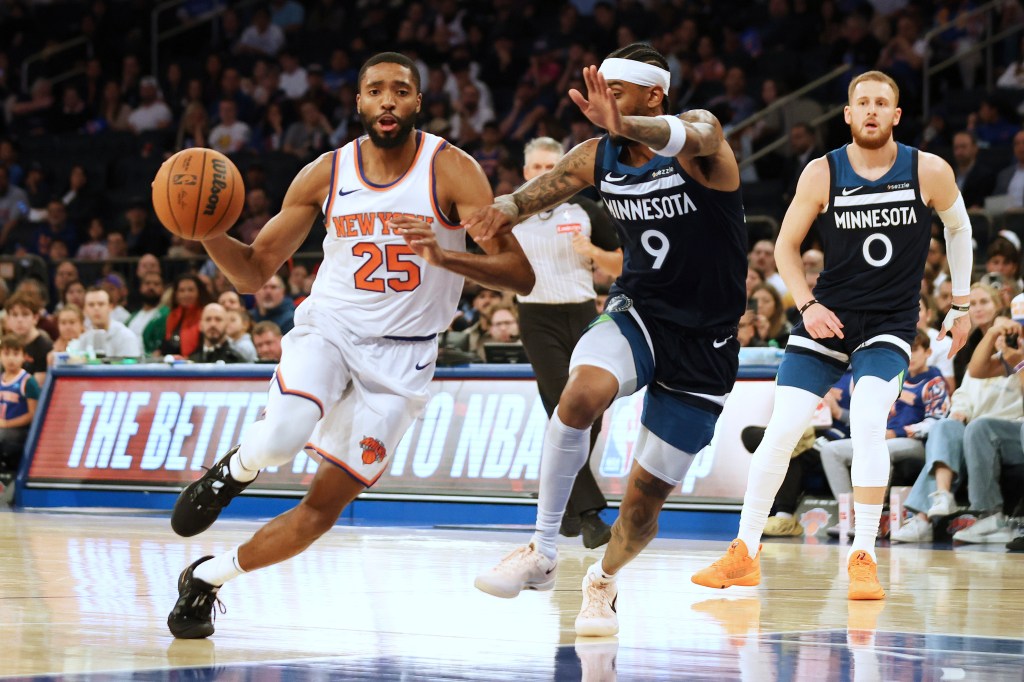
(869, 410)
(282, 435)
(793, 410)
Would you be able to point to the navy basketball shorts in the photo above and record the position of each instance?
(875, 344)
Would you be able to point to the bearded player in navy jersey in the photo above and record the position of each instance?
(873, 201)
(672, 186)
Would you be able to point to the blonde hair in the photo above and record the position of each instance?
(874, 76)
(547, 144)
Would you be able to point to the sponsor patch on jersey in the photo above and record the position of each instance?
(662, 172)
(569, 227)
(619, 303)
(898, 185)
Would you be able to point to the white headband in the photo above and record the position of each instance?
(632, 71)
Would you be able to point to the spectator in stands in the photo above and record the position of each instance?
(975, 180)
(293, 79)
(261, 37)
(114, 113)
(266, 337)
(310, 135)
(74, 294)
(274, 304)
(19, 395)
(108, 337)
(70, 325)
(709, 68)
(55, 226)
(490, 152)
(230, 135)
(990, 442)
(300, 283)
(116, 289)
(502, 327)
(142, 234)
(340, 70)
(989, 124)
(9, 161)
(96, 246)
(181, 327)
(215, 346)
(72, 114)
(131, 79)
(152, 113)
(735, 96)
(762, 257)
(803, 145)
(1002, 266)
(231, 89)
(754, 278)
(903, 55)
(230, 300)
(151, 292)
(271, 134)
(470, 115)
(288, 15)
(986, 305)
(857, 46)
(64, 273)
(921, 404)
(1011, 179)
(32, 114)
(939, 356)
(22, 319)
(13, 207)
(771, 327)
(80, 197)
(520, 124)
(317, 93)
(239, 325)
(257, 208)
(194, 128)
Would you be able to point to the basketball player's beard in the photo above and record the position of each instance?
(396, 138)
(871, 143)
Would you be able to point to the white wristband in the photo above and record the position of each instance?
(677, 137)
(952, 316)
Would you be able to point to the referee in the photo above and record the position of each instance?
(563, 246)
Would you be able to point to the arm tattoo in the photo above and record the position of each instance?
(554, 187)
(647, 130)
(651, 131)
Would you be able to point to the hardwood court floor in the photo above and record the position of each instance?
(88, 595)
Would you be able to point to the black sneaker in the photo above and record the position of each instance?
(199, 505)
(1016, 544)
(570, 527)
(192, 615)
(595, 531)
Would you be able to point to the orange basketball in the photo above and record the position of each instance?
(198, 193)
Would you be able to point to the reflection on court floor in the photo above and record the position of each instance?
(89, 595)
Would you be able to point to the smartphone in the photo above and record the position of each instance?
(1012, 340)
(752, 305)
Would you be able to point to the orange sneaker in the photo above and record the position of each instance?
(735, 568)
(863, 577)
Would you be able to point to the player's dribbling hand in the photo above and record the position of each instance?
(599, 104)
(492, 220)
(822, 323)
(420, 238)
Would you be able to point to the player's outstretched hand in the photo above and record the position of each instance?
(420, 237)
(961, 329)
(822, 323)
(599, 104)
(490, 221)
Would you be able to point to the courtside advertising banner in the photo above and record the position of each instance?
(476, 437)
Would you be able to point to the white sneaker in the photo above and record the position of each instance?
(943, 504)
(597, 614)
(523, 569)
(991, 529)
(914, 530)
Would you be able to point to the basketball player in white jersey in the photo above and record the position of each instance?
(355, 369)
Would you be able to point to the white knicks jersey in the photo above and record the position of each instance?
(370, 280)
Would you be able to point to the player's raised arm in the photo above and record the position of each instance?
(461, 183)
(810, 199)
(249, 267)
(573, 172)
(939, 190)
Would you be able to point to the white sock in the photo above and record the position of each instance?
(219, 569)
(866, 518)
(239, 471)
(597, 570)
(784, 515)
(564, 453)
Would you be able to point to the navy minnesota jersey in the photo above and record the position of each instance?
(684, 244)
(875, 236)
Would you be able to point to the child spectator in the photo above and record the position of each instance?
(22, 320)
(71, 323)
(19, 394)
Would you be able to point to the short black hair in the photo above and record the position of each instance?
(391, 58)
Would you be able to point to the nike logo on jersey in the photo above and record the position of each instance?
(614, 178)
(718, 344)
(847, 191)
(342, 192)
(419, 366)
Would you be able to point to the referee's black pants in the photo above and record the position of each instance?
(549, 332)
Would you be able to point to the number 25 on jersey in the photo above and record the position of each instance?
(395, 259)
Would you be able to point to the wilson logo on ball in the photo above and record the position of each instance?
(184, 179)
(219, 184)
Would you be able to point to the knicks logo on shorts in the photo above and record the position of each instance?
(373, 450)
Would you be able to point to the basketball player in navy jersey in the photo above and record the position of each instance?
(673, 187)
(873, 201)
